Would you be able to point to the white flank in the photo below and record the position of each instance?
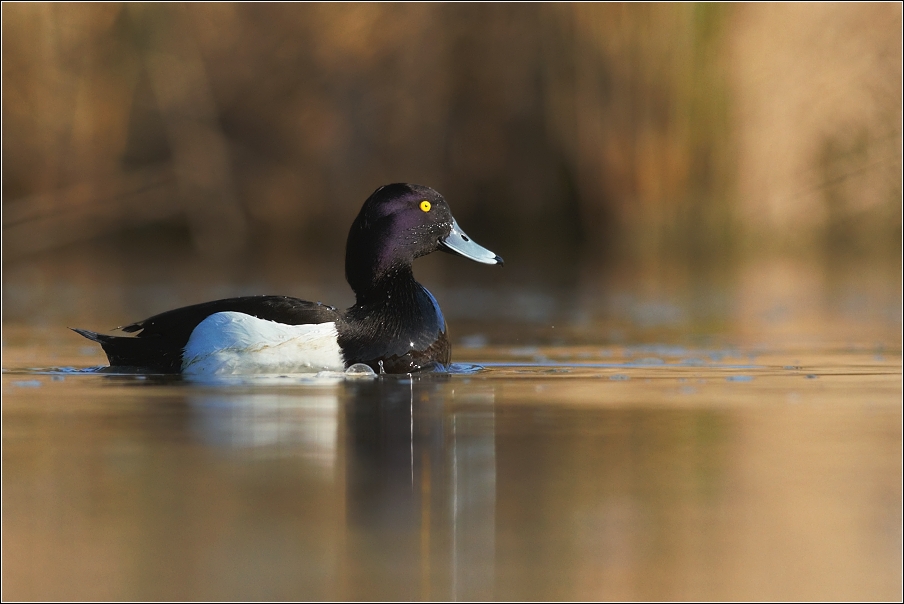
(231, 343)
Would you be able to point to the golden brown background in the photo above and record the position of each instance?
(697, 388)
(686, 130)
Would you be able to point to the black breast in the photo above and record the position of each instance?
(402, 330)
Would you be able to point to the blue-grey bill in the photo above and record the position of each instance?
(457, 241)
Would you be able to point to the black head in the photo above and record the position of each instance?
(398, 223)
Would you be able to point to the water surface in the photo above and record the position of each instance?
(645, 435)
(555, 472)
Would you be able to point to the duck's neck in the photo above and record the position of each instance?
(394, 289)
(395, 321)
(375, 265)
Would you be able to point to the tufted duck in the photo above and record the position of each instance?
(395, 326)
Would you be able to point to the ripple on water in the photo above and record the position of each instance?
(27, 384)
(739, 378)
(612, 364)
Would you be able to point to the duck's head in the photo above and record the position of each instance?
(401, 222)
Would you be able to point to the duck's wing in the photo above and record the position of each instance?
(157, 342)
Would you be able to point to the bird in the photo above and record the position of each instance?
(395, 326)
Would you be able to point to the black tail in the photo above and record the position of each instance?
(94, 337)
(156, 354)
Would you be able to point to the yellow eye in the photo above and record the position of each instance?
(425, 205)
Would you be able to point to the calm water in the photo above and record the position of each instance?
(758, 457)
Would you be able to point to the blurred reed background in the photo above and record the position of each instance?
(560, 133)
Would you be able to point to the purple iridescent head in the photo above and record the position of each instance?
(401, 222)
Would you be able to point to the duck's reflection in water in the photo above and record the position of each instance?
(414, 467)
(421, 490)
(271, 425)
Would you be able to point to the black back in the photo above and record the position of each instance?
(158, 341)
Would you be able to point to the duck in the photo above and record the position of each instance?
(395, 326)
